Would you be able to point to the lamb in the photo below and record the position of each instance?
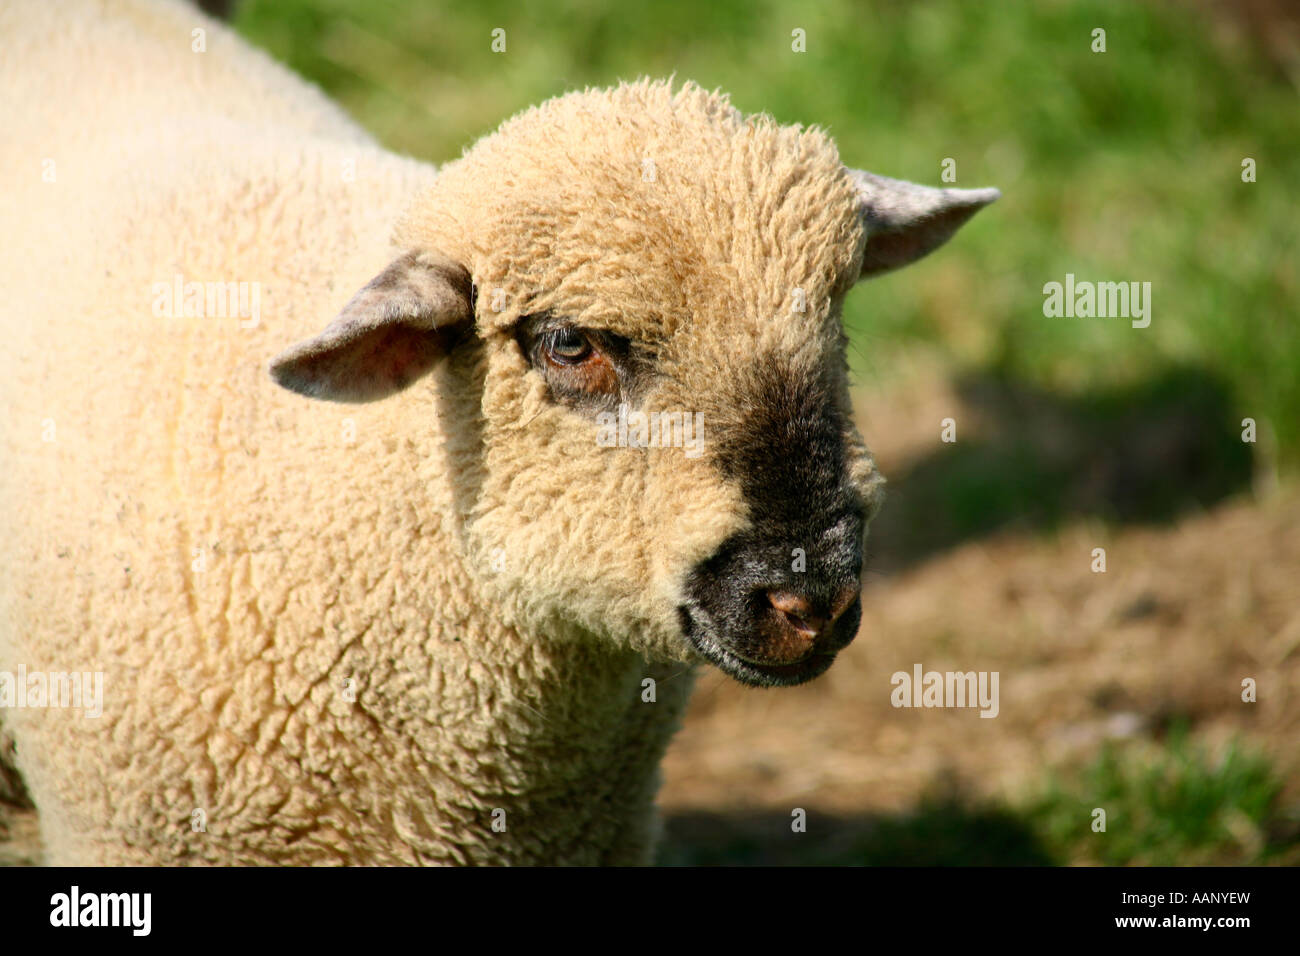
(427, 617)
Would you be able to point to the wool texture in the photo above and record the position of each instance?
(412, 631)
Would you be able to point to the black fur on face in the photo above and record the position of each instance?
(786, 450)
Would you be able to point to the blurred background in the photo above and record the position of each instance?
(1119, 690)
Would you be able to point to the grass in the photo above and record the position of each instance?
(1175, 806)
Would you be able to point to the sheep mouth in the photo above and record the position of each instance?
(703, 639)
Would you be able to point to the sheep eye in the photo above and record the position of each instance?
(566, 347)
(577, 363)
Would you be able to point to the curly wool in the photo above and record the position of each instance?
(439, 628)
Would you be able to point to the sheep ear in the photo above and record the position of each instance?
(393, 331)
(906, 221)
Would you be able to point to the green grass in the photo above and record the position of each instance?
(1176, 806)
(1123, 165)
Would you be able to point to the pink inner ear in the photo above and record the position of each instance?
(388, 359)
(402, 355)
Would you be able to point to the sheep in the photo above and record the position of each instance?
(393, 602)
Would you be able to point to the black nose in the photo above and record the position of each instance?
(765, 604)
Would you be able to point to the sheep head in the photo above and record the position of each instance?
(637, 293)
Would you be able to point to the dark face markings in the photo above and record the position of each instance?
(786, 450)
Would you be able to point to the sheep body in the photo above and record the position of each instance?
(214, 545)
(451, 626)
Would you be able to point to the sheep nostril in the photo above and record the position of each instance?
(801, 613)
(843, 601)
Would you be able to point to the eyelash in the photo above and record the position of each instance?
(551, 341)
